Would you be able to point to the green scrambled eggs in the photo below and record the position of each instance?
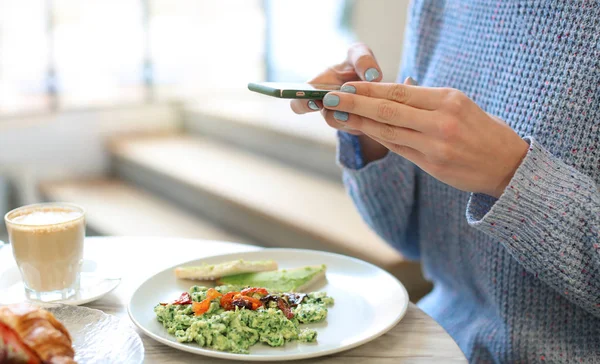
(238, 328)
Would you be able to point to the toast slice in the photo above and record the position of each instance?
(211, 272)
(285, 280)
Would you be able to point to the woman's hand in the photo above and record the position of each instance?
(439, 129)
(360, 64)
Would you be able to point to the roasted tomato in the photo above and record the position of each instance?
(227, 300)
(255, 302)
(285, 308)
(212, 294)
(251, 291)
(184, 299)
(282, 304)
(232, 300)
(200, 308)
(240, 301)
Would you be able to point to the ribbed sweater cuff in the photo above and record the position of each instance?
(547, 218)
(545, 196)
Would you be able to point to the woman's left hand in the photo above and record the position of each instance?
(439, 129)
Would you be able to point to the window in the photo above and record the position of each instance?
(207, 44)
(101, 52)
(23, 55)
(305, 35)
(98, 48)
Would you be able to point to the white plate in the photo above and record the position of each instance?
(98, 337)
(368, 303)
(94, 284)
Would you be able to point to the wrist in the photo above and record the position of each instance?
(514, 160)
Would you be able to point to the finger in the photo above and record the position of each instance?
(338, 74)
(351, 131)
(335, 75)
(407, 152)
(497, 119)
(385, 132)
(301, 106)
(383, 111)
(336, 124)
(364, 63)
(426, 98)
(360, 64)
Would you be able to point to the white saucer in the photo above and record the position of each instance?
(93, 285)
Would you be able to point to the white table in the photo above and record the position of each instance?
(416, 339)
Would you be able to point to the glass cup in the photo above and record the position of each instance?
(47, 243)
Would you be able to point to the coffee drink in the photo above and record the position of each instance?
(47, 243)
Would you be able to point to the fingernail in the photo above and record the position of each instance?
(371, 74)
(331, 100)
(349, 89)
(313, 105)
(340, 115)
(412, 81)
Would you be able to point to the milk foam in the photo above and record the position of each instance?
(47, 217)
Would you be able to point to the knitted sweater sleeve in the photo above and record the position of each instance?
(383, 192)
(549, 219)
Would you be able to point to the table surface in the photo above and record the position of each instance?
(416, 339)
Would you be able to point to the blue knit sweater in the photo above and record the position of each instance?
(516, 279)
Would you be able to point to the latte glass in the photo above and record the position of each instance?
(47, 243)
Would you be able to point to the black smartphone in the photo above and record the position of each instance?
(292, 90)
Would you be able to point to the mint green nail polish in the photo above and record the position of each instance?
(371, 74)
(349, 89)
(340, 115)
(331, 100)
(313, 105)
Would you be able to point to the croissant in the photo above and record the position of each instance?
(40, 331)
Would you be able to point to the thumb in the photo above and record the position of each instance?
(364, 63)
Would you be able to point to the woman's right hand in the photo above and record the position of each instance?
(360, 65)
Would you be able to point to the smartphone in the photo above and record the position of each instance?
(293, 90)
